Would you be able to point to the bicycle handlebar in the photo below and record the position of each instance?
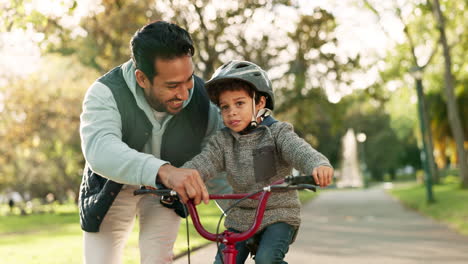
(289, 183)
(158, 192)
(295, 180)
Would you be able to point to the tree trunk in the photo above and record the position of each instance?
(428, 158)
(452, 107)
(427, 133)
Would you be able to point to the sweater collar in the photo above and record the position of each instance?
(265, 124)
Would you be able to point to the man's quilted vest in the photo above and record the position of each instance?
(180, 142)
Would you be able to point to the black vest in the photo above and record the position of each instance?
(181, 141)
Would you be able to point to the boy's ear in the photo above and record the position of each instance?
(141, 78)
(262, 102)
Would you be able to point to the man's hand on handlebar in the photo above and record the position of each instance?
(186, 182)
(323, 175)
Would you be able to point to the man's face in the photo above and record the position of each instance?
(171, 85)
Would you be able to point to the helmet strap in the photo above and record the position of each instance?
(263, 113)
(253, 122)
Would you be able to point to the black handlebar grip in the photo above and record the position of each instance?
(295, 180)
(160, 192)
(141, 191)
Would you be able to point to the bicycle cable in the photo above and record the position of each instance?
(188, 233)
(225, 213)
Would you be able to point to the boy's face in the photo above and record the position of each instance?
(236, 109)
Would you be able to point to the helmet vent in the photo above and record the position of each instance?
(257, 74)
(242, 65)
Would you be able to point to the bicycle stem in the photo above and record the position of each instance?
(228, 237)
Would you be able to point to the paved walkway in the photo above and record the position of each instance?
(365, 226)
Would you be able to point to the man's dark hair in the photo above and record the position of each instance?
(159, 40)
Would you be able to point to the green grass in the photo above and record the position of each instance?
(451, 206)
(55, 237)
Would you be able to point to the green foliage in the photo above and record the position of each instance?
(43, 149)
(451, 206)
(451, 179)
(422, 48)
(383, 149)
(300, 94)
(39, 134)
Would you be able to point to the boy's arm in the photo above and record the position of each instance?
(211, 160)
(300, 154)
(217, 183)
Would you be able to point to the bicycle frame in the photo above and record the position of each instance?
(229, 238)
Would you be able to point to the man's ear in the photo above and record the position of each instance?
(141, 79)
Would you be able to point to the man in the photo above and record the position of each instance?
(140, 121)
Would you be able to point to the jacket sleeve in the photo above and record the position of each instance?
(217, 183)
(102, 145)
(210, 161)
(296, 151)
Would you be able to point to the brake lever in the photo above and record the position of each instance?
(307, 187)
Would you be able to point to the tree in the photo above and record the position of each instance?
(39, 137)
(314, 66)
(417, 70)
(443, 139)
(385, 151)
(452, 105)
(101, 39)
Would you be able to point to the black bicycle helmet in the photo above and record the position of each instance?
(248, 72)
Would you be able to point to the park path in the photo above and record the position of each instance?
(365, 226)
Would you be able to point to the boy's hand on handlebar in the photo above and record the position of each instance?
(323, 175)
(186, 182)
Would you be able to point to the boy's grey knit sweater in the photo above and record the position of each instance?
(255, 160)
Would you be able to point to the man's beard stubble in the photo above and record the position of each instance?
(159, 106)
(155, 103)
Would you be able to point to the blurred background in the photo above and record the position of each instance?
(379, 87)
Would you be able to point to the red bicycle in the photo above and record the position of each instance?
(229, 238)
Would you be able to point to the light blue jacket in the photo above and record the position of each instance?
(101, 136)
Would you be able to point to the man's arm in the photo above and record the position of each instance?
(102, 145)
(109, 156)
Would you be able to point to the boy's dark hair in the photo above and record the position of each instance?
(247, 72)
(232, 85)
(162, 40)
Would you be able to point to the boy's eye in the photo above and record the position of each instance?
(224, 107)
(239, 103)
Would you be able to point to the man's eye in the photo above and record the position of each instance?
(172, 86)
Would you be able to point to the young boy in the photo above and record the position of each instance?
(255, 150)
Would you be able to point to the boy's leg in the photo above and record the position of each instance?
(274, 243)
(158, 230)
(106, 246)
